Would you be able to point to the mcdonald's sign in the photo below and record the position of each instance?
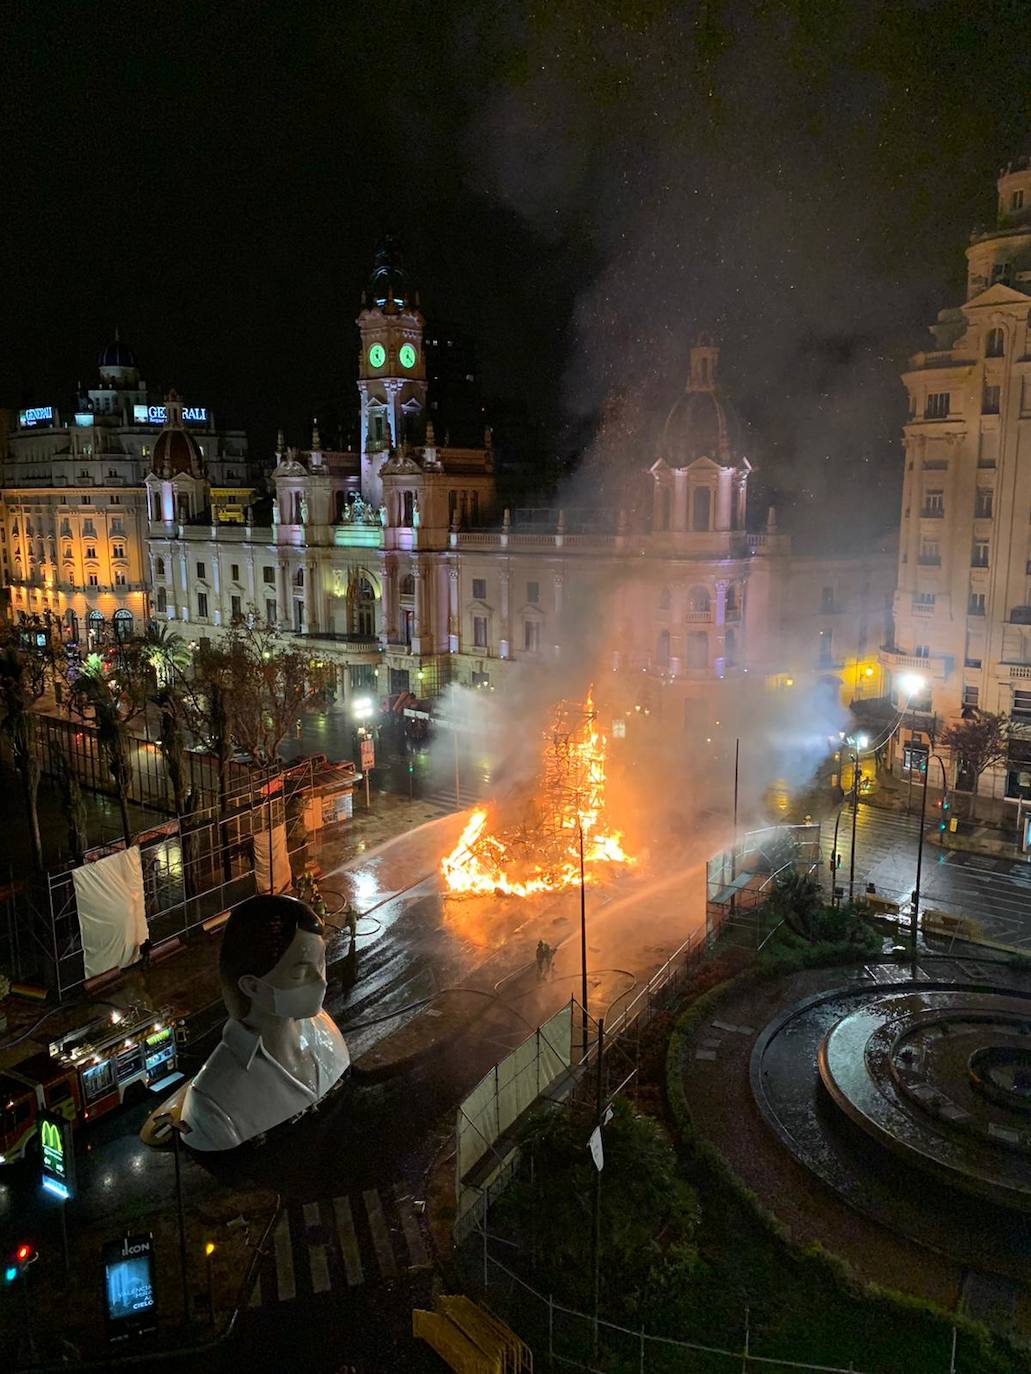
(57, 1156)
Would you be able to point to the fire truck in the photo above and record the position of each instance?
(85, 1073)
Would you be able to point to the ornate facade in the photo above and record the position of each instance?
(395, 563)
(962, 611)
(73, 506)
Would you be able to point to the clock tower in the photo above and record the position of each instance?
(391, 367)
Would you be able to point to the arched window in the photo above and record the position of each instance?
(123, 625)
(699, 602)
(363, 608)
(159, 567)
(665, 507)
(408, 585)
(662, 650)
(94, 628)
(698, 649)
(664, 599)
(162, 601)
(72, 621)
(701, 504)
(995, 344)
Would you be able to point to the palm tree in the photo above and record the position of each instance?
(74, 807)
(19, 728)
(102, 696)
(172, 743)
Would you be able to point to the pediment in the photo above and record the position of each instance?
(996, 294)
(400, 465)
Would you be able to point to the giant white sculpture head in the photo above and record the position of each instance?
(280, 1053)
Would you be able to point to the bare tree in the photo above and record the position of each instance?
(274, 685)
(978, 742)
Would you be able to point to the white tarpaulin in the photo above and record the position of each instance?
(511, 1087)
(112, 918)
(282, 877)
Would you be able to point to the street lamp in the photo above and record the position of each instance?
(915, 917)
(912, 684)
(857, 742)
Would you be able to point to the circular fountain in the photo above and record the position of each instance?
(913, 1102)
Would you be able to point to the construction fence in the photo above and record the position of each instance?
(194, 867)
(738, 880)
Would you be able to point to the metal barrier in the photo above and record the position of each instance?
(580, 1341)
(194, 867)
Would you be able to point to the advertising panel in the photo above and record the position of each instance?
(368, 754)
(36, 416)
(57, 1155)
(129, 1297)
(157, 415)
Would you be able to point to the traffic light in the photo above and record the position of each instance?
(19, 1260)
(943, 824)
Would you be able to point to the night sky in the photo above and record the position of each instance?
(582, 186)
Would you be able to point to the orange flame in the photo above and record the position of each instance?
(548, 858)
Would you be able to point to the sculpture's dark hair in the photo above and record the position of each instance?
(257, 935)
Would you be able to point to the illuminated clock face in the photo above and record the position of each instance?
(377, 355)
(407, 355)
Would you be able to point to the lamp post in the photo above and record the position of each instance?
(583, 934)
(860, 742)
(915, 918)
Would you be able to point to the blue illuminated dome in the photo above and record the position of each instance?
(116, 354)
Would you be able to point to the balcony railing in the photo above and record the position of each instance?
(930, 560)
(932, 513)
(1020, 615)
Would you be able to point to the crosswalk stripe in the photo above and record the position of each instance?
(380, 1234)
(348, 1241)
(410, 1227)
(316, 1251)
(284, 1260)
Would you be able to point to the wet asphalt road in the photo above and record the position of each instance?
(995, 892)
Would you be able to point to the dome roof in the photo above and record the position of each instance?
(116, 354)
(175, 451)
(701, 424)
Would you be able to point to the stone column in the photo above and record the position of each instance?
(311, 612)
(724, 492)
(505, 627)
(559, 582)
(388, 627)
(418, 607)
(454, 616)
(283, 607)
(720, 633)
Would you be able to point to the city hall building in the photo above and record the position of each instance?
(396, 564)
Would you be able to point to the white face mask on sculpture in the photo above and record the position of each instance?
(293, 1004)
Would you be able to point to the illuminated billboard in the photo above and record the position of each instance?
(37, 415)
(56, 1154)
(129, 1286)
(157, 415)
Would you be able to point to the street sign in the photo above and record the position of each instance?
(129, 1286)
(57, 1155)
(368, 754)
